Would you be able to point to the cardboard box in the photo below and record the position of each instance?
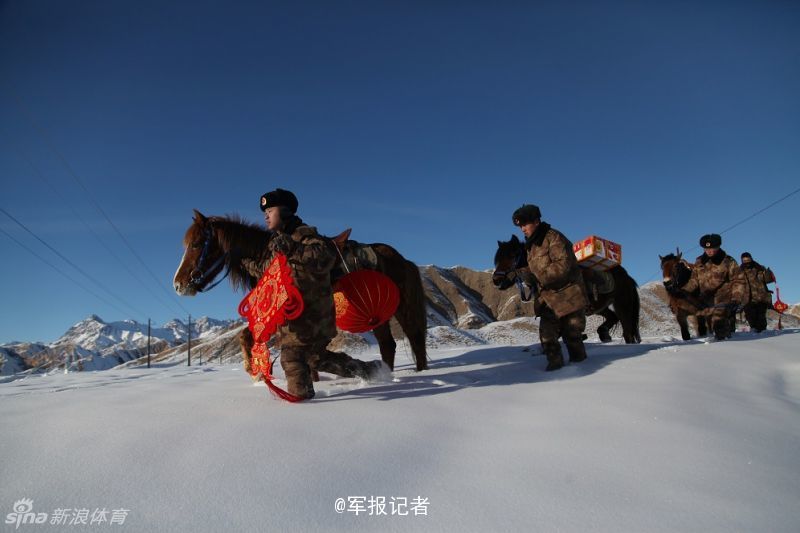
(597, 253)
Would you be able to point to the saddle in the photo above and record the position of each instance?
(352, 256)
(598, 284)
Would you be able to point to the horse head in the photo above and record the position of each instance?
(509, 257)
(674, 270)
(203, 257)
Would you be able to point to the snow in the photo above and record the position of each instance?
(662, 436)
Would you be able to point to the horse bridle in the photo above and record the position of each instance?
(673, 285)
(199, 276)
(513, 276)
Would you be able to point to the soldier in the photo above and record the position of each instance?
(721, 284)
(759, 296)
(562, 299)
(304, 341)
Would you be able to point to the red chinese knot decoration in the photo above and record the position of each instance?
(364, 300)
(273, 302)
(779, 306)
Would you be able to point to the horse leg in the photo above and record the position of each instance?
(383, 334)
(702, 325)
(611, 319)
(684, 324)
(416, 333)
(411, 314)
(246, 343)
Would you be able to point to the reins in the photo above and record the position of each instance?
(199, 277)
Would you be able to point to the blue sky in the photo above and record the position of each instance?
(419, 124)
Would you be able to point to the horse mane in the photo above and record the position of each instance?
(241, 240)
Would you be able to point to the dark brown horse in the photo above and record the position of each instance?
(676, 272)
(618, 289)
(214, 244)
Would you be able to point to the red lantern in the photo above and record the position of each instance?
(364, 300)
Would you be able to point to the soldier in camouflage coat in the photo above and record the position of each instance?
(561, 302)
(304, 341)
(759, 297)
(721, 284)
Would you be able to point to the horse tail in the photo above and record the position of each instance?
(410, 312)
(413, 317)
(627, 304)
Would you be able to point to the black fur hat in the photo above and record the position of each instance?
(711, 240)
(279, 197)
(526, 214)
(746, 254)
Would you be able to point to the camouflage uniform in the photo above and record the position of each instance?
(562, 298)
(304, 341)
(759, 297)
(722, 288)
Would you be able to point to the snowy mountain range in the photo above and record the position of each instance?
(463, 308)
(93, 344)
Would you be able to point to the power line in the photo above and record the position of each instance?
(77, 215)
(70, 278)
(760, 211)
(70, 263)
(742, 221)
(42, 132)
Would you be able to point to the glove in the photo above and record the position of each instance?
(281, 243)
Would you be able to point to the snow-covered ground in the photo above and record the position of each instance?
(662, 436)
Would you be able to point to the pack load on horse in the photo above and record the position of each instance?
(596, 257)
(607, 282)
(676, 272)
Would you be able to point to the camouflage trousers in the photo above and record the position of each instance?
(756, 315)
(300, 361)
(722, 320)
(570, 327)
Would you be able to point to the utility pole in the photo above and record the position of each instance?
(148, 343)
(189, 349)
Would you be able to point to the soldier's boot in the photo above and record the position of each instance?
(576, 351)
(552, 350)
(368, 370)
(720, 328)
(297, 372)
(339, 364)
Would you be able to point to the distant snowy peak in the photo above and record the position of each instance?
(93, 333)
(177, 331)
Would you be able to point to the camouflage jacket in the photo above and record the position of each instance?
(552, 262)
(311, 259)
(719, 280)
(756, 278)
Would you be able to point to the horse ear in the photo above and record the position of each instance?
(340, 239)
(660, 258)
(514, 238)
(199, 217)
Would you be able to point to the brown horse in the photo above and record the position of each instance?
(676, 272)
(618, 289)
(214, 244)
